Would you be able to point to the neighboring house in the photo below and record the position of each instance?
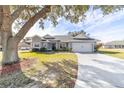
(79, 43)
(24, 46)
(114, 44)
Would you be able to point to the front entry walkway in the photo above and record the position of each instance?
(98, 70)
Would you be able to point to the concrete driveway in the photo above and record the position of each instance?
(98, 70)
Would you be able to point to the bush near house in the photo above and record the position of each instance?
(64, 49)
(67, 49)
(43, 49)
(35, 50)
(39, 50)
(98, 46)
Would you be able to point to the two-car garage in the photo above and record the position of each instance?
(83, 47)
(83, 43)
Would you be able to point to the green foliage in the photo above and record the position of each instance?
(64, 49)
(107, 9)
(98, 46)
(39, 50)
(75, 33)
(35, 50)
(72, 13)
(43, 49)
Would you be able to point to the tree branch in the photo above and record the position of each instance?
(16, 13)
(26, 27)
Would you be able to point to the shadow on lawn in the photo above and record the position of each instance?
(13, 77)
(60, 74)
(50, 75)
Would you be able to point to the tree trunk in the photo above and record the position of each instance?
(9, 42)
(10, 49)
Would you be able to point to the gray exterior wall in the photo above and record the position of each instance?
(59, 42)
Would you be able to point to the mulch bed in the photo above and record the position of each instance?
(25, 63)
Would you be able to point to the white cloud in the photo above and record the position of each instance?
(99, 20)
(111, 34)
(35, 30)
(95, 24)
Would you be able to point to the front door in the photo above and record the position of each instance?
(53, 46)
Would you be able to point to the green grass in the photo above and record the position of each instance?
(49, 70)
(113, 52)
(46, 57)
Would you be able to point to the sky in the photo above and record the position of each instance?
(105, 28)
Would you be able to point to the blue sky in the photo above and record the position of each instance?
(107, 28)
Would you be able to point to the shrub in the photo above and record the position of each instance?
(64, 49)
(43, 49)
(35, 50)
(98, 46)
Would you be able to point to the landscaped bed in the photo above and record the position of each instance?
(44, 70)
(119, 53)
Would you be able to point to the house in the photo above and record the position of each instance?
(79, 43)
(114, 44)
(24, 46)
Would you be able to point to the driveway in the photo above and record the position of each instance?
(98, 70)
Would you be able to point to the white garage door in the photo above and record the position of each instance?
(82, 47)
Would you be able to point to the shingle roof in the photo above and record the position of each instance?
(23, 44)
(48, 37)
(82, 37)
(36, 38)
(115, 43)
(63, 38)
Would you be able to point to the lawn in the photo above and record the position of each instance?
(119, 53)
(48, 70)
(48, 57)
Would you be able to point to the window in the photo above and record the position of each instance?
(119, 46)
(36, 45)
(122, 46)
(60, 45)
(67, 44)
(116, 46)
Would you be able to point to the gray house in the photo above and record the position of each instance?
(79, 43)
(24, 46)
(114, 44)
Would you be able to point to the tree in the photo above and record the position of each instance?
(75, 33)
(26, 16)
